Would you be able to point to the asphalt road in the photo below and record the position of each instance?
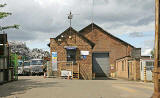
(38, 87)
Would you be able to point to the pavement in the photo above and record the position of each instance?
(39, 87)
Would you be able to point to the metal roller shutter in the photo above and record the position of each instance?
(101, 64)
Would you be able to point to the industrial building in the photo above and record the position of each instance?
(91, 50)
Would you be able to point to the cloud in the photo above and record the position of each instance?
(42, 19)
(146, 52)
(136, 34)
(147, 46)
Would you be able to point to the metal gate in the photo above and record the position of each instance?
(100, 62)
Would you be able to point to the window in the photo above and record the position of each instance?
(149, 65)
(71, 55)
(26, 64)
(36, 62)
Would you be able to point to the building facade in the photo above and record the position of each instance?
(92, 49)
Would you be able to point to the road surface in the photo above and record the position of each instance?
(38, 87)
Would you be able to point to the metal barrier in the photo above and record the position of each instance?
(69, 69)
(14, 63)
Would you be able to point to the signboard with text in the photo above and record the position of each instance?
(54, 61)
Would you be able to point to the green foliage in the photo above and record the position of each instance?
(8, 27)
(152, 53)
(2, 5)
(5, 14)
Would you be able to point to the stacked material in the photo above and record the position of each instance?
(39, 53)
(21, 49)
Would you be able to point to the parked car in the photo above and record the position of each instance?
(26, 68)
(36, 66)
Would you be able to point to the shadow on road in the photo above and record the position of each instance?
(104, 78)
(20, 86)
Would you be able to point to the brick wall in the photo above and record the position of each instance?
(128, 64)
(85, 64)
(107, 43)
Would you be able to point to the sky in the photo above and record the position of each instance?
(130, 20)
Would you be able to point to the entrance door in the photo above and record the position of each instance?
(100, 64)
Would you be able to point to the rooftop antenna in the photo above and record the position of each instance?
(92, 10)
(70, 17)
(92, 13)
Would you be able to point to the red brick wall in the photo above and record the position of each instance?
(106, 43)
(85, 64)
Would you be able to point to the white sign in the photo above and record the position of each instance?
(66, 73)
(84, 52)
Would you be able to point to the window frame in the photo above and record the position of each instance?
(73, 53)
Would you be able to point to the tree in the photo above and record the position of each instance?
(5, 14)
(152, 53)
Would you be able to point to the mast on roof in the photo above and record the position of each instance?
(70, 16)
(92, 13)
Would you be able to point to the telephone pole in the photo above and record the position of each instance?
(156, 93)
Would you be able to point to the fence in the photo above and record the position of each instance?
(14, 63)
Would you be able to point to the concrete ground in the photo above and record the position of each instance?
(38, 87)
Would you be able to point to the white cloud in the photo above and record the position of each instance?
(42, 19)
(146, 52)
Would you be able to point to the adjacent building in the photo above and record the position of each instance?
(146, 67)
(128, 68)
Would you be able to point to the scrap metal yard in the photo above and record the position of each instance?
(39, 87)
(80, 49)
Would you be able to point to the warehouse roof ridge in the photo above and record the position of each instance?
(76, 32)
(104, 31)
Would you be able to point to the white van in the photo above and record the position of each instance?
(36, 66)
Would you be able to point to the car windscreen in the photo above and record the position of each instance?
(36, 62)
(26, 64)
(19, 64)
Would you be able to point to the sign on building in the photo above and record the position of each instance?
(54, 61)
